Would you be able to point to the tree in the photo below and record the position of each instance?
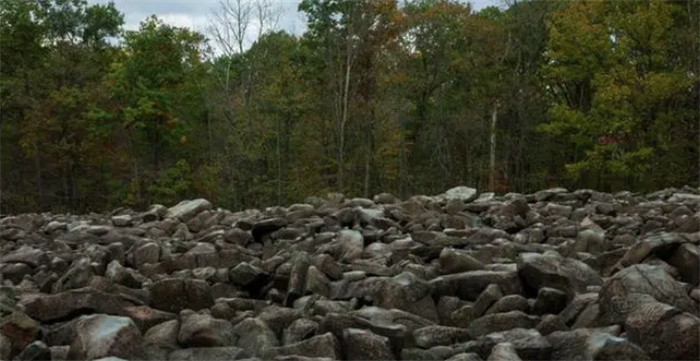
(613, 72)
(62, 52)
(160, 61)
(347, 36)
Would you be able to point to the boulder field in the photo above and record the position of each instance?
(554, 275)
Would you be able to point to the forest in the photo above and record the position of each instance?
(407, 97)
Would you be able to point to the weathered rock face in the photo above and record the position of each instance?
(552, 270)
(176, 294)
(100, 336)
(555, 275)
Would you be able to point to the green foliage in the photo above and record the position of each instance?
(173, 185)
(614, 57)
(375, 96)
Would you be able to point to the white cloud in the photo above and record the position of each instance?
(195, 13)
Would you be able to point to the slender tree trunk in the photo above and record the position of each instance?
(279, 163)
(492, 153)
(368, 161)
(341, 151)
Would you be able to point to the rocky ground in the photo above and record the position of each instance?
(555, 275)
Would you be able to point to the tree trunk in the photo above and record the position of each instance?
(341, 151)
(209, 136)
(492, 153)
(279, 163)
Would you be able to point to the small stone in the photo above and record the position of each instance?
(122, 221)
(504, 352)
(432, 336)
(365, 345)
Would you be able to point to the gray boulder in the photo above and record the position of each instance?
(99, 336)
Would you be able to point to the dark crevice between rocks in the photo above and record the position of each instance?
(86, 311)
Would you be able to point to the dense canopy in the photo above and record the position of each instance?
(376, 96)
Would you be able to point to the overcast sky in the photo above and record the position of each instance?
(194, 13)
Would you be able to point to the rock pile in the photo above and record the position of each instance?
(555, 275)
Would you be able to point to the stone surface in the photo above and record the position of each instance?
(552, 270)
(209, 354)
(44, 307)
(664, 332)
(99, 336)
(176, 294)
(202, 330)
(432, 336)
(554, 275)
(618, 294)
(364, 345)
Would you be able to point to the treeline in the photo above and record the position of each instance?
(376, 96)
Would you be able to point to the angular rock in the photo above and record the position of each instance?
(504, 352)
(299, 330)
(552, 270)
(592, 344)
(361, 344)
(499, 322)
(455, 261)
(686, 259)
(510, 303)
(202, 330)
(664, 332)
(336, 323)
(245, 274)
(297, 278)
(465, 356)
(209, 354)
(328, 265)
(254, 336)
(28, 255)
(122, 275)
(550, 324)
(99, 336)
(613, 348)
(36, 351)
(18, 331)
(640, 279)
(124, 220)
(278, 318)
(529, 344)
(431, 336)
(350, 245)
(325, 345)
(658, 243)
(446, 306)
(147, 253)
(469, 285)
(46, 308)
(409, 293)
(187, 210)
(549, 300)
(317, 282)
(462, 193)
(175, 294)
(163, 335)
(77, 276)
(145, 317)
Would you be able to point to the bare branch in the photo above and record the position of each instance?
(268, 14)
(228, 25)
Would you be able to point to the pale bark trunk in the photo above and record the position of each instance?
(341, 152)
(279, 163)
(492, 155)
